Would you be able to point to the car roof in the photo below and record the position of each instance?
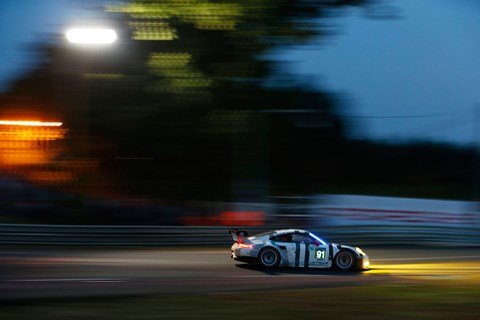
(284, 231)
(275, 233)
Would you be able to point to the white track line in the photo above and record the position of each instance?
(275, 276)
(71, 280)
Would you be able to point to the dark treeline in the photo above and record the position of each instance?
(183, 108)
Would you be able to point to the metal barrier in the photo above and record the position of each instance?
(84, 235)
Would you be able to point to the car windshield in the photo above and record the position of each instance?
(324, 242)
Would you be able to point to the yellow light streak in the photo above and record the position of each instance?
(466, 270)
(30, 123)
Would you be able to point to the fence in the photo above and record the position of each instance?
(83, 235)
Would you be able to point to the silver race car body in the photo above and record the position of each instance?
(295, 248)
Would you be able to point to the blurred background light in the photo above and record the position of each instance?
(30, 123)
(91, 35)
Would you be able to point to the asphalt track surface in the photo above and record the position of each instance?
(66, 272)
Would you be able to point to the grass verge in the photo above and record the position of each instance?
(416, 301)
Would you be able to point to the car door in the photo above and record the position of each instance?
(309, 253)
(302, 249)
(318, 255)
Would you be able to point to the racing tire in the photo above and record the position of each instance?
(268, 258)
(344, 260)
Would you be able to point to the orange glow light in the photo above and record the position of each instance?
(30, 123)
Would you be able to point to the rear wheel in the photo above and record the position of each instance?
(344, 260)
(269, 258)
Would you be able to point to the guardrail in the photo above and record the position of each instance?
(84, 235)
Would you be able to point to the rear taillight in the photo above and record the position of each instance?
(247, 246)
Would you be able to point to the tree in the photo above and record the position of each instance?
(194, 97)
(185, 103)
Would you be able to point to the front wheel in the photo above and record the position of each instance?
(344, 260)
(269, 258)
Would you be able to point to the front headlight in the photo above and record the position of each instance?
(360, 251)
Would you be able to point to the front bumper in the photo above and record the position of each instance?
(362, 263)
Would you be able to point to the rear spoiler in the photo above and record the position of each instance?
(238, 235)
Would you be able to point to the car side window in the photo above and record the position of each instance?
(282, 238)
(301, 238)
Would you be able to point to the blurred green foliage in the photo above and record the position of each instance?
(197, 96)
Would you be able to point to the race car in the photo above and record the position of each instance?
(295, 248)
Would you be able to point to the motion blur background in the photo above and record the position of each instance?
(220, 113)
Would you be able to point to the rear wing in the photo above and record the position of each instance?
(238, 235)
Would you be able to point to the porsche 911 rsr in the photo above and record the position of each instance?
(295, 248)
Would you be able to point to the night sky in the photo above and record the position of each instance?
(415, 77)
(23, 23)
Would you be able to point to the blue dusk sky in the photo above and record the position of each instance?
(413, 77)
(26, 22)
(23, 22)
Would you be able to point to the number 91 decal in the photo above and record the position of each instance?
(320, 253)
